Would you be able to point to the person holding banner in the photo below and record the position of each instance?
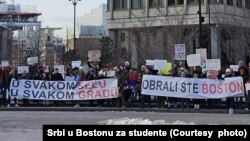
(121, 83)
(245, 77)
(12, 75)
(184, 101)
(78, 79)
(230, 100)
(25, 76)
(143, 96)
(45, 77)
(1, 85)
(196, 101)
(247, 97)
(56, 76)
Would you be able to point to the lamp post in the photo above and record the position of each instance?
(200, 23)
(209, 24)
(74, 2)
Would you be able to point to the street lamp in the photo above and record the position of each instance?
(201, 20)
(74, 2)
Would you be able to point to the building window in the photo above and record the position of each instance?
(171, 2)
(136, 4)
(247, 4)
(216, 1)
(108, 5)
(230, 2)
(181, 2)
(156, 3)
(239, 3)
(120, 4)
(192, 2)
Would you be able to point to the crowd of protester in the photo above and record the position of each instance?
(129, 85)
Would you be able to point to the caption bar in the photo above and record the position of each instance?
(170, 131)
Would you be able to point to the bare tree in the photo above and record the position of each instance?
(180, 29)
(160, 32)
(234, 33)
(36, 40)
(67, 41)
(107, 50)
(144, 38)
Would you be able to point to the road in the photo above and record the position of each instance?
(27, 125)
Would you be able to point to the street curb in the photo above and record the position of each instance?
(104, 109)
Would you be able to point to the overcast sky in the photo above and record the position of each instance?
(60, 13)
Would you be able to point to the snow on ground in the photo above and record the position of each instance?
(140, 121)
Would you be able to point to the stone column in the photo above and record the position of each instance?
(159, 42)
(133, 43)
(215, 43)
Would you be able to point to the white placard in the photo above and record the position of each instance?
(180, 52)
(213, 64)
(85, 67)
(150, 62)
(160, 64)
(94, 59)
(202, 52)
(60, 68)
(235, 68)
(194, 60)
(203, 64)
(32, 60)
(5, 63)
(22, 69)
(94, 54)
(110, 74)
(76, 64)
(247, 86)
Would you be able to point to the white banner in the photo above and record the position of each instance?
(64, 90)
(191, 87)
(180, 52)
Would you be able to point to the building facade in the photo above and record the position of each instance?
(97, 17)
(94, 22)
(21, 26)
(149, 29)
(92, 28)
